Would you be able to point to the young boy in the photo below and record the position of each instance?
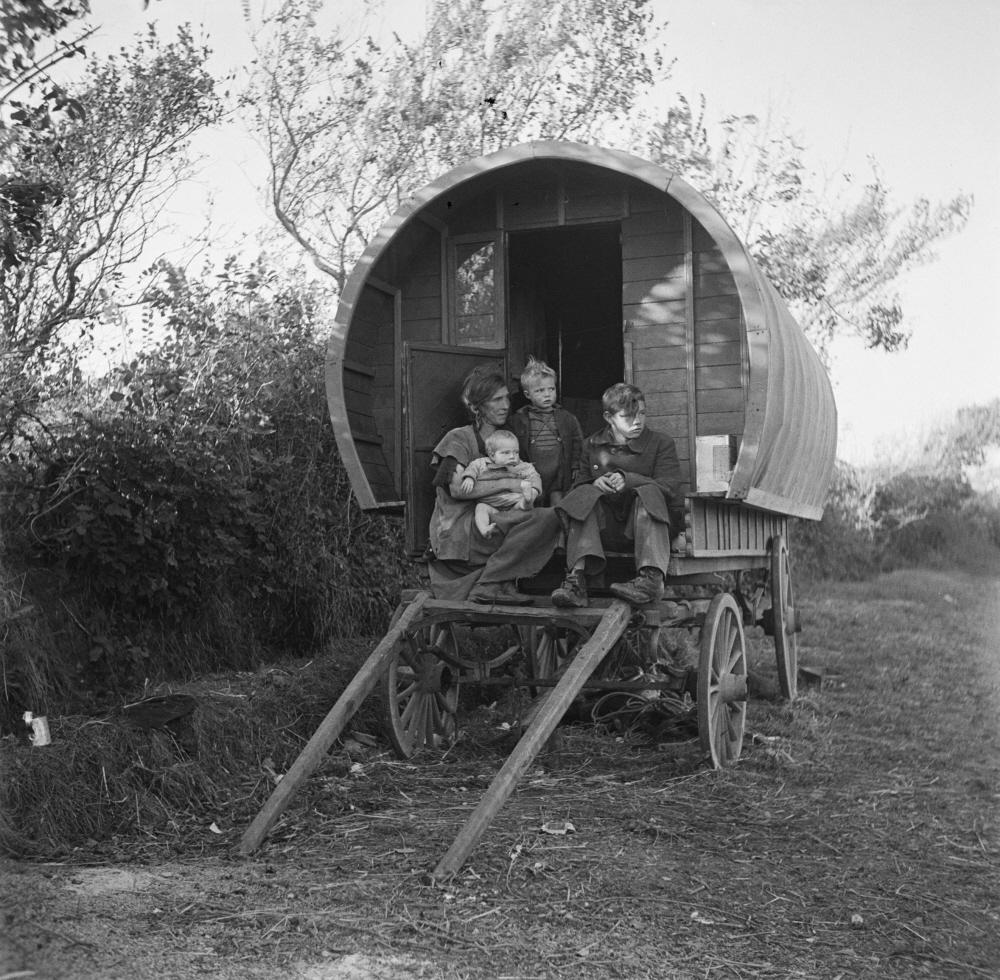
(502, 463)
(626, 495)
(549, 436)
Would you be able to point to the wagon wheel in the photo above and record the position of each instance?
(784, 618)
(419, 696)
(722, 682)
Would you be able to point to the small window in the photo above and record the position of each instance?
(476, 321)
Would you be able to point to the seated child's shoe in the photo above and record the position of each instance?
(572, 594)
(647, 586)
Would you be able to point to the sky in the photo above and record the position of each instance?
(912, 84)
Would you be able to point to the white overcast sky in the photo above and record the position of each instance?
(913, 84)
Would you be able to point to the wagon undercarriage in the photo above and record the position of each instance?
(426, 659)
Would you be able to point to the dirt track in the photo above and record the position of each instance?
(859, 837)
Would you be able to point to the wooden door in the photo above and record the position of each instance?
(432, 401)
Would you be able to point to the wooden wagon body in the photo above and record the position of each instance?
(610, 268)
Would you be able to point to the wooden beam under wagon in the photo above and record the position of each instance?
(610, 628)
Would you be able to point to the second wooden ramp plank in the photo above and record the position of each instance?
(610, 628)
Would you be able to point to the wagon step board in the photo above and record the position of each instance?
(612, 624)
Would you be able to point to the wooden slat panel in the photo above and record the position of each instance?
(595, 206)
(717, 308)
(660, 359)
(653, 290)
(722, 400)
(658, 313)
(674, 426)
(642, 197)
(357, 383)
(642, 335)
(729, 353)
(717, 331)
(715, 284)
(657, 267)
(646, 246)
(356, 349)
(660, 380)
(424, 330)
(720, 528)
(531, 201)
(421, 308)
(720, 424)
(666, 404)
(652, 223)
(707, 263)
(479, 214)
(421, 286)
(717, 376)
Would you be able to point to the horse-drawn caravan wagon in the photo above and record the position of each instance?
(609, 268)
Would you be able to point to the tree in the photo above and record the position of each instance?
(351, 127)
(81, 190)
(835, 253)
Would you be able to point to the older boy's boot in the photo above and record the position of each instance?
(647, 586)
(572, 594)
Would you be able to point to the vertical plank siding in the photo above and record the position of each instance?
(718, 528)
(707, 337)
(654, 311)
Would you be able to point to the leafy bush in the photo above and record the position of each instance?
(842, 545)
(195, 499)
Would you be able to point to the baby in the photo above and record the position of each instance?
(549, 436)
(503, 463)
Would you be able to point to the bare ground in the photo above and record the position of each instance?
(857, 837)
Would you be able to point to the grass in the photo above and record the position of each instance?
(857, 837)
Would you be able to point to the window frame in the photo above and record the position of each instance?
(499, 287)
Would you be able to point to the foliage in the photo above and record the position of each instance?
(919, 509)
(26, 24)
(202, 487)
(483, 77)
(81, 190)
(834, 252)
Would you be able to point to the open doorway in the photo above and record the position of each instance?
(565, 303)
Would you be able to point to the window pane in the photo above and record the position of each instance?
(476, 296)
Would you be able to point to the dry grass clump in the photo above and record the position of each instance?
(103, 776)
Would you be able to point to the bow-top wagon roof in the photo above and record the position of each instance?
(787, 444)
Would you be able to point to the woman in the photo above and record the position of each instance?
(465, 564)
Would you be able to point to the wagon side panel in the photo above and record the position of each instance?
(655, 305)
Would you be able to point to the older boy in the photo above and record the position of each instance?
(626, 494)
(549, 436)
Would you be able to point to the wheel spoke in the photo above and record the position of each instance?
(409, 711)
(407, 691)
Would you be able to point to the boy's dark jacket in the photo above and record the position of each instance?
(570, 435)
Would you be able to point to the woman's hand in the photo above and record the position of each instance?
(610, 483)
(467, 484)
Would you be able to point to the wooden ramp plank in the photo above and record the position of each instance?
(614, 620)
(332, 725)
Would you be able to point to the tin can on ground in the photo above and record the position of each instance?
(39, 726)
